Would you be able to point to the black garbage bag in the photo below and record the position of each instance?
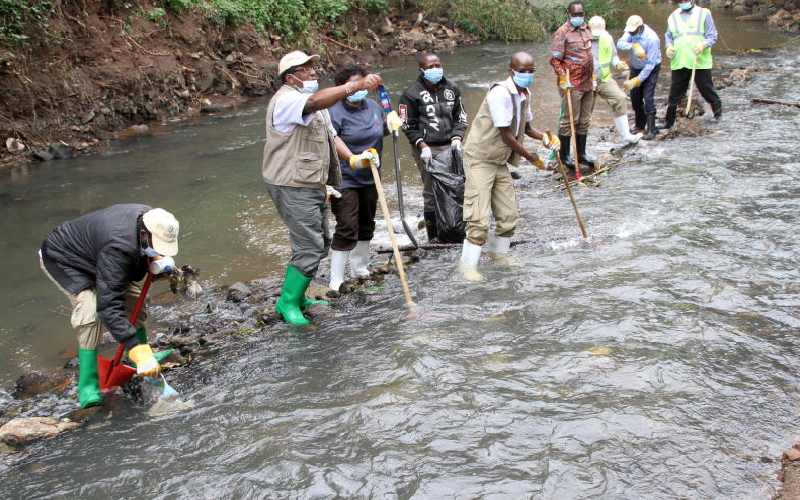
(447, 181)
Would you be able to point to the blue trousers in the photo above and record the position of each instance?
(643, 97)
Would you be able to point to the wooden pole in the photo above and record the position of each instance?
(573, 139)
(395, 248)
(691, 91)
(571, 197)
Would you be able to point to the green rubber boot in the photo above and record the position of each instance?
(307, 302)
(141, 335)
(88, 381)
(292, 294)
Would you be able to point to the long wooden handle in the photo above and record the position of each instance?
(691, 91)
(395, 248)
(571, 197)
(573, 140)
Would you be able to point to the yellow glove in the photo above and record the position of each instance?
(538, 163)
(393, 122)
(146, 364)
(638, 51)
(365, 159)
(563, 82)
(670, 51)
(621, 66)
(551, 141)
(631, 84)
(699, 48)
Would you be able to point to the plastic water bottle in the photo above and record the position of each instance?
(386, 100)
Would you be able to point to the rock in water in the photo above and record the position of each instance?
(24, 430)
(34, 383)
(238, 292)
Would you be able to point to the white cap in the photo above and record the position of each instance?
(633, 23)
(597, 24)
(293, 59)
(163, 227)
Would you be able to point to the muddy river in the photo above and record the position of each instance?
(654, 361)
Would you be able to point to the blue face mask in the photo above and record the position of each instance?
(358, 96)
(523, 80)
(433, 75)
(576, 21)
(685, 5)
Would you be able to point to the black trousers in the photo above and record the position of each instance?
(355, 217)
(702, 79)
(643, 97)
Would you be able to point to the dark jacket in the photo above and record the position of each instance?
(100, 250)
(433, 116)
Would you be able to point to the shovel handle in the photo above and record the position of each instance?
(134, 316)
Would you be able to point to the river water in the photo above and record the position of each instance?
(656, 360)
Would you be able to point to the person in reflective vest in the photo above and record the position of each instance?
(690, 35)
(606, 62)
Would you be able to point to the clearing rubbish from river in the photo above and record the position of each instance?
(652, 359)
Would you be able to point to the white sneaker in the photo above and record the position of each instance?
(359, 260)
(624, 130)
(338, 259)
(468, 265)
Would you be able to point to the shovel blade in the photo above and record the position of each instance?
(112, 375)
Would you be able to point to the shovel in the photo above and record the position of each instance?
(112, 372)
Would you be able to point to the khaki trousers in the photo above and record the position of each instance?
(84, 311)
(488, 191)
(614, 96)
(582, 105)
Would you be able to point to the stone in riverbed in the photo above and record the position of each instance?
(34, 383)
(238, 292)
(24, 430)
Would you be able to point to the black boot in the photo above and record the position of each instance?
(672, 112)
(640, 121)
(430, 226)
(716, 107)
(581, 140)
(565, 157)
(651, 128)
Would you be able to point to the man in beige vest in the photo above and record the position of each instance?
(299, 162)
(494, 141)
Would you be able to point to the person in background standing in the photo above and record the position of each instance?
(645, 60)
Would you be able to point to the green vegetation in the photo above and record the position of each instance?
(17, 15)
(507, 20)
(511, 20)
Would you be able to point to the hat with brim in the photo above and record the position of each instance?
(597, 25)
(163, 228)
(294, 59)
(633, 23)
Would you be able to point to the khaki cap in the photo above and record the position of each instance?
(294, 59)
(163, 227)
(633, 23)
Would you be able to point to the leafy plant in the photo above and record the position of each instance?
(16, 16)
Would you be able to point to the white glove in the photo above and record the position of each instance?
(426, 155)
(330, 191)
(670, 52)
(162, 265)
(393, 122)
(455, 145)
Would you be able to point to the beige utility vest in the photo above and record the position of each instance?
(305, 157)
(484, 143)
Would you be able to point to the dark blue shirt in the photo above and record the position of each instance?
(360, 128)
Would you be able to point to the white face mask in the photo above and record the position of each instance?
(307, 86)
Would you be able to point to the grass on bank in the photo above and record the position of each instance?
(505, 20)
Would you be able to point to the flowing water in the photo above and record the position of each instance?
(654, 361)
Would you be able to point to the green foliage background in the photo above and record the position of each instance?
(506, 20)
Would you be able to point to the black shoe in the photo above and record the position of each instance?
(651, 128)
(672, 112)
(640, 122)
(564, 153)
(581, 140)
(430, 226)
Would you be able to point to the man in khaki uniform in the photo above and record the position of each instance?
(300, 160)
(494, 141)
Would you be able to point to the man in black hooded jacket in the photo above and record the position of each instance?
(96, 261)
(435, 124)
